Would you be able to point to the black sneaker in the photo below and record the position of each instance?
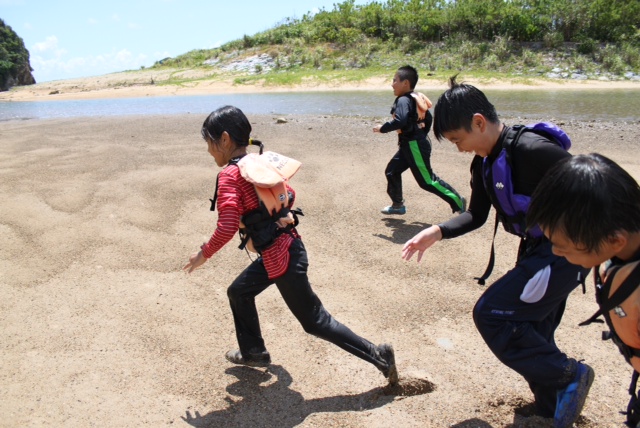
(252, 360)
(388, 356)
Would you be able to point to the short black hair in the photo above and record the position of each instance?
(456, 106)
(589, 198)
(409, 73)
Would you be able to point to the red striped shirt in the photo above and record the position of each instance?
(236, 197)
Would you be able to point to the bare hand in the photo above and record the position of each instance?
(421, 242)
(377, 128)
(195, 261)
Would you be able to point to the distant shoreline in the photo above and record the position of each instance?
(138, 84)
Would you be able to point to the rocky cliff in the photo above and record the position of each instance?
(15, 69)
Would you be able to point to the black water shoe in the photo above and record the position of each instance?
(388, 356)
(262, 359)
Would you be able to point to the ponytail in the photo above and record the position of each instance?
(258, 143)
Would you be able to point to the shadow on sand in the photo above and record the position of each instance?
(401, 231)
(275, 404)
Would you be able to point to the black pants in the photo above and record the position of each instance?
(521, 334)
(416, 155)
(302, 301)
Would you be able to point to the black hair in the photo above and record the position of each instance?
(589, 198)
(455, 108)
(408, 73)
(232, 120)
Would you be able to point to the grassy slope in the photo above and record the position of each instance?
(296, 63)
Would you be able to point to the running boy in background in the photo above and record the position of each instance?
(589, 208)
(414, 147)
(518, 314)
(283, 257)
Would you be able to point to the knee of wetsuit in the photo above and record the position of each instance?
(477, 313)
(317, 323)
(234, 293)
(497, 332)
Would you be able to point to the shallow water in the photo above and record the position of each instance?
(606, 105)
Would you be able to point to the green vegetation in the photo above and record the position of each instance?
(493, 38)
(14, 59)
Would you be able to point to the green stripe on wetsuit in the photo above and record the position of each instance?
(424, 171)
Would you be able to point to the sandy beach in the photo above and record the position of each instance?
(100, 327)
(145, 83)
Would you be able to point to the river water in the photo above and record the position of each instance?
(619, 105)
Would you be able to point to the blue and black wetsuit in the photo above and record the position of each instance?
(414, 152)
(518, 314)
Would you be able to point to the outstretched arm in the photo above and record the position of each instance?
(421, 242)
(227, 225)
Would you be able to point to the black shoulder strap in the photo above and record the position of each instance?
(633, 407)
(507, 143)
(492, 258)
(512, 137)
(602, 290)
(628, 286)
(413, 114)
(233, 161)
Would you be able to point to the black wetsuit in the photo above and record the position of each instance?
(516, 317)
(414, 152)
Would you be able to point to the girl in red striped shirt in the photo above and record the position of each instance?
(284, 262)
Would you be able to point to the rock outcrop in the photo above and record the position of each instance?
(15, 69)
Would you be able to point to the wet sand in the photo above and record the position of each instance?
(100, 327)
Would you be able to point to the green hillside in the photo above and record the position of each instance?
(594, 39)
(14, 59)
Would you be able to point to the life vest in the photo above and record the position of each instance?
(269, 173)
(607, 303)
(423, 115)
(511, 208)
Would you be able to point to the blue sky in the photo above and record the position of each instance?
(68, 39)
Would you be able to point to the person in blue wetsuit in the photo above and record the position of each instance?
(518, 314)
(411, 119)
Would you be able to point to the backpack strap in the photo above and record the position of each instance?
(633, 408)
(628, 286)
(423, 124)
(606, 304)
(233, 161)
(492, 258)
(602, 291)
(509, 141)
(215, 195)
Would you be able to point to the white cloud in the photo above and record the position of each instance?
(134, 26)
(115, 17)
(28, 26)
(123, 56)
(50, 44)
(92, 21)
(56, 68)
